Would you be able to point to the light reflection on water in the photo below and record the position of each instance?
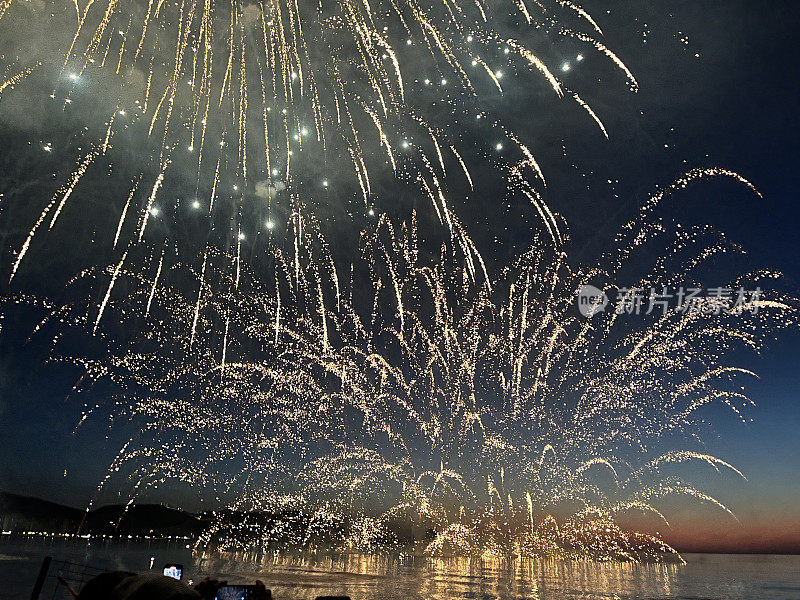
(291, 576)
(369, 577)
(377, 577)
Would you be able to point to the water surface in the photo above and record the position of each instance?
(705, 576)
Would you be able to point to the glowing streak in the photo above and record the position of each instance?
(27, 243)
(463, 166)
(199, 299)
(534, 60)
(592, 114)
(69, 188)
(614, 58)
(224, 347)
(277, 310)
(149, 207)
(155, 284)
(104, 303)
(582, 13)
(14, 79)
(124, 213)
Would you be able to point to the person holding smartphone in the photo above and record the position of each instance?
(122, 585)
(243, 592)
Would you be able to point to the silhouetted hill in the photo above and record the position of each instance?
(142, 519)
(22, 513)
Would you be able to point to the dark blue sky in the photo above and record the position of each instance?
(735, 106)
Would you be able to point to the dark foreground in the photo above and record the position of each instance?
(734, 577)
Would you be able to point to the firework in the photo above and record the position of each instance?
(427, 396)
(252, 105)
(421, 397)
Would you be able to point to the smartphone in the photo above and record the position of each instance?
(174, 570)
(236, 592)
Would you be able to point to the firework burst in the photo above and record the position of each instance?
(247, 106)
(425, 395)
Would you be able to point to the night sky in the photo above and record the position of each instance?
(726, 96)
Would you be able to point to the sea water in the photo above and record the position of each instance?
(704, 576)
